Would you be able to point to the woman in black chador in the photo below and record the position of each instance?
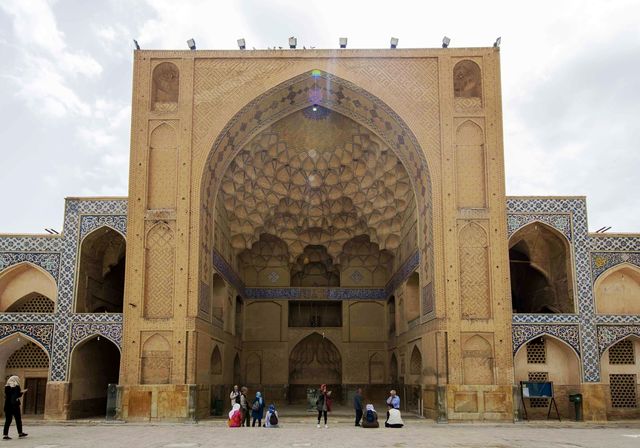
(12, 394)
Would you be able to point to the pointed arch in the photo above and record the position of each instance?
(467, 80)
(162, 167)
(215, 361)
(415, 364)
(477, 361)
(237, 376)
(617, 290)
(541, 268)
(19, 281)
(94, 364)
(313, 359)
(393, 368)
(156, 362)
(376, 369)
(471, 179)
(100, 278)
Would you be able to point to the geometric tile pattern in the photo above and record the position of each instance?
(58, 332)
(591, 334)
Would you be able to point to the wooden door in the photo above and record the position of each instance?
(33, 399)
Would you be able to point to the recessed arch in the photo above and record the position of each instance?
(412, 297)
(265, 110)
(94, 364)
(100, 280)
(467, 80)
(215, 361)
(27, 358)
(540, 261)
(165, 87)
(21, 280)
(393, 369)
(547, 335)
(617, 290)
(415, 364)
(218, 296)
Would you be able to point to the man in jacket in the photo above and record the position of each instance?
(357, 405)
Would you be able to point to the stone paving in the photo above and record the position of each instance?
(417, 433)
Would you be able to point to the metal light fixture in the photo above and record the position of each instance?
(135, 42)
(293, 42)
(343, 42)
(192, 44)
(445, 42)
(241, 44)
(496, 44)
(394, 42)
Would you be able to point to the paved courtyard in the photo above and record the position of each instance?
(339, 434)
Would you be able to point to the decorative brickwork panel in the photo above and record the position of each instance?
(474, 273)
(623, 390)
(29, 356)
(471, 189)
(536, 352)
(622, 353)
(165, 88)
(163, 160)
(415, 367)
(159, 280)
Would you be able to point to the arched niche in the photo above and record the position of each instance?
(95, 363)
(376, 369)
(470, 160)
(25, 357)
(620, 373)
(163, 175)
(541, 270)
(315, 360)
(237, 376)
(156, 360)
(477, 361)
(215, 362)
(314, 267)
(467, 80)
(391, 316)
(617, 290)
(412, 297)
(547, 358)
(165, 87)
(100, 285)
(393, 369)
(218, 296)
(415, 363)
(24, 283)
(239, 316)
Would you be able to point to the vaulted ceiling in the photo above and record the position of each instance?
(316, 178)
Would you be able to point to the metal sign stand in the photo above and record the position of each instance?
(550, 397)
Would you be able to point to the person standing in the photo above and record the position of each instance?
(244, 406)
(393, 400)
(234, 396)
(323, 404)
(12, 394)
(257, 410)
(357, 405)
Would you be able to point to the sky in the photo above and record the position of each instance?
(570, 86)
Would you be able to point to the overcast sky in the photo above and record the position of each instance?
(570, 85)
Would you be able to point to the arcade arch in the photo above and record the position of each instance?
(100, 285)
(27, 288)
(617, 290)
(541, 272)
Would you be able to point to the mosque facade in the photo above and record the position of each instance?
(298, 217)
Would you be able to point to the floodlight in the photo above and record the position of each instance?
(293, 42)
(314, 108)
(343, 42)
(445, 42)
(394, 42)
(135, 42)
(192, 44)
(496, 44)
(241, 44)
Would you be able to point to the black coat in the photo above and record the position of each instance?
(12, 398)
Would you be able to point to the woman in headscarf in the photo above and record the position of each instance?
(323, 404)
(257, 410)
(370, 418)
(235, 416)
(12, 394)
(271, 419)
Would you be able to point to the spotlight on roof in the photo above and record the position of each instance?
(241, 44)
(192, 44)
(135, 42)
(293, 42)
(314, 108)
(343, 42)
(496, 44)
(446, 41)
(394, 42)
